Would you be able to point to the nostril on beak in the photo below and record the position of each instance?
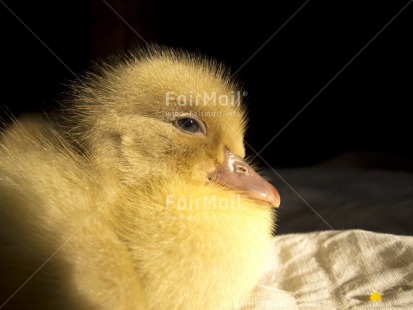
(236, 174)
(240, 169)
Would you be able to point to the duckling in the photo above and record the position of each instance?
(138, 196)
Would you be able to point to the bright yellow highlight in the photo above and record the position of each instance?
(375, 296)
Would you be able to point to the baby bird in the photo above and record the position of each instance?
(138, 196)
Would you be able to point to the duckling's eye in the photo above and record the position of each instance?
(189, 124)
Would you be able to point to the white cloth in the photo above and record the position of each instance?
(338, 270)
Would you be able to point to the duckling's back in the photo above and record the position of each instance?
(57, 251)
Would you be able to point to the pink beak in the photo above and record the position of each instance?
(235, 173)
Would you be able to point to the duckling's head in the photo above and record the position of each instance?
(161, 113)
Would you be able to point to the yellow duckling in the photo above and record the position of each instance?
(138, 197)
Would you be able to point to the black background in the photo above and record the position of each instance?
(366, 108)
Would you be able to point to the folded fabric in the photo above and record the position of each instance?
(351, 269)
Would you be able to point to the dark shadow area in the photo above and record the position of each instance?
(33, 267)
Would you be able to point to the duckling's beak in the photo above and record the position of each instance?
(235, 173)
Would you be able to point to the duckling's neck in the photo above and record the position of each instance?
(195, 247)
